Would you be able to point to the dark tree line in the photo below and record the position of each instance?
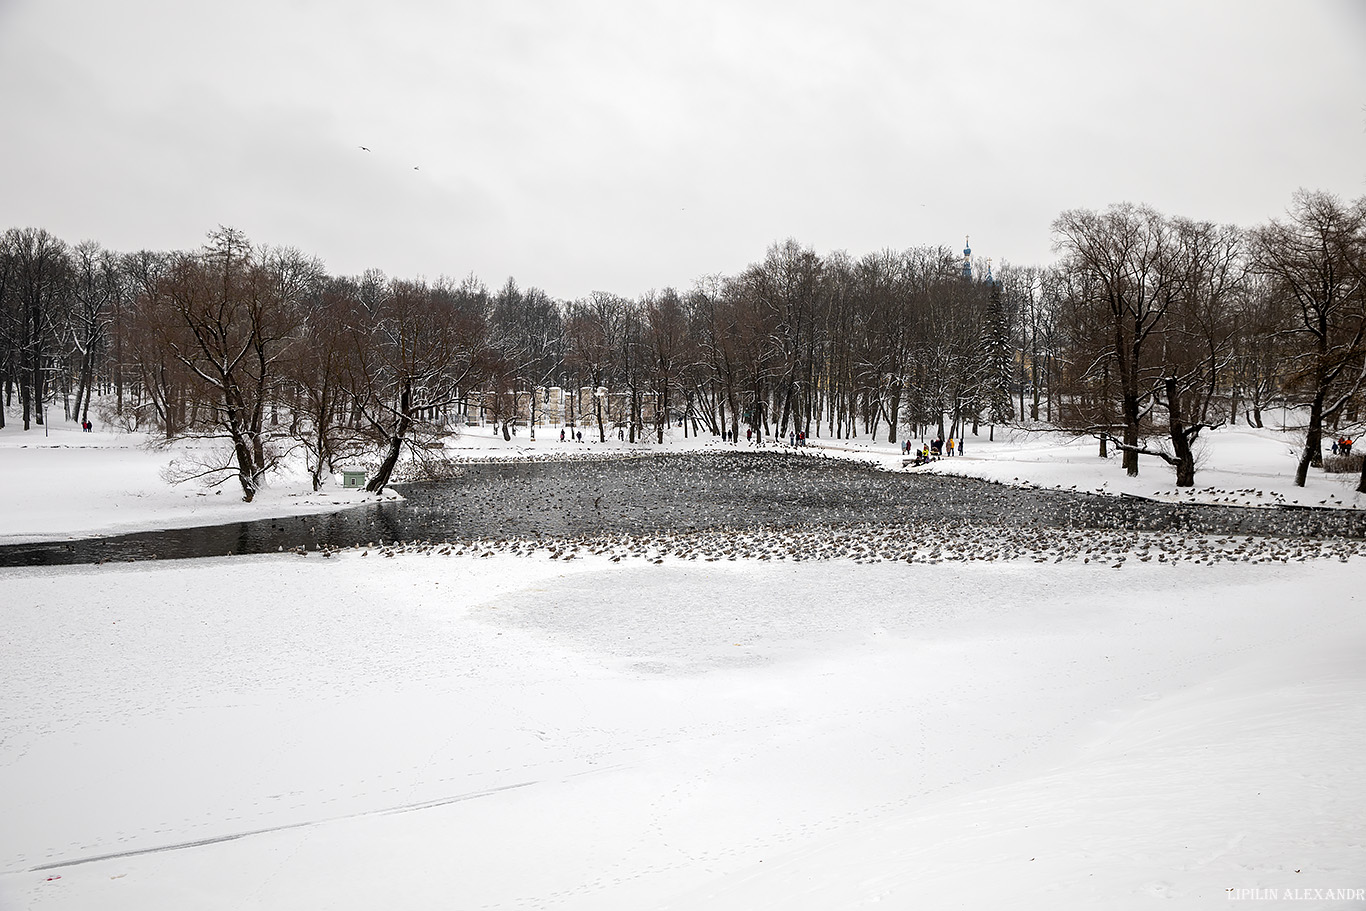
(1148, 330)
(1171, 326)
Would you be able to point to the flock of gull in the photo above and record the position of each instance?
(767, 505)
(775, 506)
(905, 543)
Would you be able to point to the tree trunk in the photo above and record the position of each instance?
(893, 411)
(244, 473)
(386, 465)
(662, 415)
(1130, 460)
(1313, 440)
(1181, 444)
(395, 443)
(83, 384)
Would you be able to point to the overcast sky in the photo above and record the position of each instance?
(628, 146)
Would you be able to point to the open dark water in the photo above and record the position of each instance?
(681, 492)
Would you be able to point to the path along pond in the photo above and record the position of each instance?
(663, 494)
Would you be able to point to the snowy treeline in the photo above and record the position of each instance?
(1146, 330)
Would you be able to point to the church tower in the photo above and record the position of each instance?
(967, 258)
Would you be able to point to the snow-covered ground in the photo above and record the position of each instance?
(65, 483)
(509, 731)
(1239, 465)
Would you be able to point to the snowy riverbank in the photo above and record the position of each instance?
(65, 484)
(81, 484)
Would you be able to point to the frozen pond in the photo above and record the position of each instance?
(684, 492)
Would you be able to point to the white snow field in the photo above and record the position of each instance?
(511, 732)
(424, 731)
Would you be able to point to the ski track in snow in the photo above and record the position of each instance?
(408, 808)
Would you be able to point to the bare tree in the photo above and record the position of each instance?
(160, 381)
(39, 273)
(413, 357)
(714, 326)
(593, 327)
(1207, 266)
(527, 332)
(1259, 349)
(239, 322)
(1313, 259)
(9, 326)
(316, 370)
(670, 354)
(1120, 253)
(786, 289)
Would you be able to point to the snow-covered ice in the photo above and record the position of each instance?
(433, 731)
(508, 731)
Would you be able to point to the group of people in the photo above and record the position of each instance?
(933, 449)
(939, 446)
(1342, 446)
